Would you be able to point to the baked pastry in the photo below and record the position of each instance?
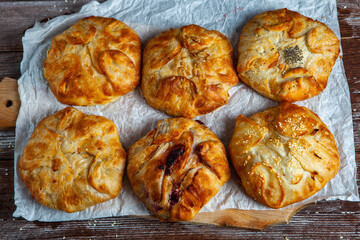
(73, 161)
(286, 56)
(283, 155)
(177, 168)
(188, 71)
(95, 61)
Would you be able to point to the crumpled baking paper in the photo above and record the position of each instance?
(134, 117)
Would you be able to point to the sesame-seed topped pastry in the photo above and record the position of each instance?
(283, 155)
(286, 56)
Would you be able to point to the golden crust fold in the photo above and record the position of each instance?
(275, 44)
(95, 61)
(283, 155)
(73, 161)
(188, 71)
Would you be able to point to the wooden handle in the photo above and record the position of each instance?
(250, 219)
(9, 102)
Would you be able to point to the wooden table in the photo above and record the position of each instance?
(333, 220)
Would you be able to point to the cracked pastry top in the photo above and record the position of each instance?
(188, 71)
(283, 155)
(95, 61)
(177, 168)
(286, 56)
(73, 161)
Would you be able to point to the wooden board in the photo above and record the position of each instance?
(9, 102)
(247, 219)
(252, 219)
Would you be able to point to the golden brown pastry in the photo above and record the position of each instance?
(73, 161)
(177, 168)
(286, 56)
(95, 61)
(283, 155)
(188, 71)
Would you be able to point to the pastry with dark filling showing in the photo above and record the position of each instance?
(177, 168)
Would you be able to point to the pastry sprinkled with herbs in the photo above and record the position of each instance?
(293, 55)
(286, 56)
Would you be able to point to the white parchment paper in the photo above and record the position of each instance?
(134, 118)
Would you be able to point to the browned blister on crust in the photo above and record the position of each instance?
(95, 61)
(286, 56)
(283, 155)
(73, 161)
(177, 168)
(188, 71)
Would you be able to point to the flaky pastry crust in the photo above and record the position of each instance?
(286, 56)
(95, 61)
(283, 155)
(177, 168)
(73, 161)
(188, 71)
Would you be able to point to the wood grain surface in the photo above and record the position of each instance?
(324, 220)
(9, 102)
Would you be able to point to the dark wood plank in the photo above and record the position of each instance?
(349, 18)
(10, 64)
(7, 144)
(351, 57)
(130, 227)
(14, 15)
